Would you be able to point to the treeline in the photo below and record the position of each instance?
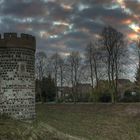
(105, 61)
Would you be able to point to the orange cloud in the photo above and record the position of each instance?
(127, 21)
(133, 36)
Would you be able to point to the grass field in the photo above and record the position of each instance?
(94, 121)
(77, 122)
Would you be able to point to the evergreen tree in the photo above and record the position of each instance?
(51, 89)
(48, 89)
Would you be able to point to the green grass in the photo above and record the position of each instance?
(77, 122)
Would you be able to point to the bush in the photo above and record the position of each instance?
(101, 95)
(129, 97)
(60, 100)
(127, 93)
(105, 97)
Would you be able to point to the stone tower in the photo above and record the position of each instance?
(17, 81)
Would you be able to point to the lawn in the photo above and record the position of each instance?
(93, 121)
(76, 122)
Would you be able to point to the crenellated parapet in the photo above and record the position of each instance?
(13, 40)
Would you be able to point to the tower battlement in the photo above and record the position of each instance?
(13, 40)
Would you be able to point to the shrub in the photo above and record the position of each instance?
(60, 100)
(105, 97)
(127, 93)
(129, 97)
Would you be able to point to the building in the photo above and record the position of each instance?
(123, 85)
(82, 92)
(84, 88)
(64, 92)
(17, 80)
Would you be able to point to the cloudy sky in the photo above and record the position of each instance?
(66, 25)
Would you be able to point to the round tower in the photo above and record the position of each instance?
(17, 80)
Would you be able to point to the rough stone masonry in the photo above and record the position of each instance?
(17, 75)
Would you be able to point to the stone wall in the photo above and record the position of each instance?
(17, 81)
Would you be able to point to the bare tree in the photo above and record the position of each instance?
(74, 61)
(40, 67)
(61, 74)
(91, 59)
(58, 70)
(92, 56)
(54, 67)
(113, 43)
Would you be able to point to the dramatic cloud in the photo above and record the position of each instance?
(65, 25)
